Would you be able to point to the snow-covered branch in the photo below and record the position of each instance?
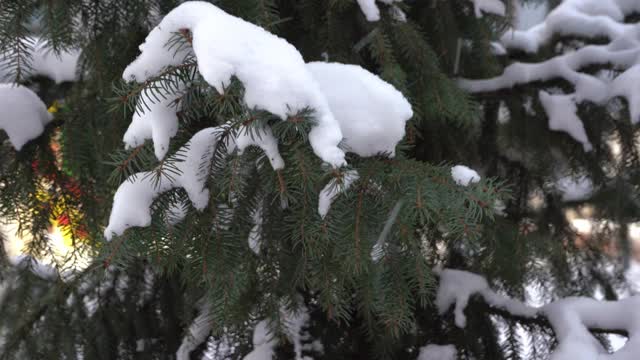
(352, 107)
(24, 115)
(582, 19)
(573, 319)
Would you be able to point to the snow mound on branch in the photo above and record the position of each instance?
(272, 71)
(333, 189)
(575, 188)
(156, 118)
(44, 62)
(24, 115)
(197, 333)
(583, 19)
(464, 176)
(488, 6)
(260, 137)
(571, 318)
(371, 11)
(264, 343)
(371, 112)
(133, 199)
(438, 352)
(457, 286)
(295, 323)
(561, 110)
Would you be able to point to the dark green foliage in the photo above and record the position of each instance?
(147, 286)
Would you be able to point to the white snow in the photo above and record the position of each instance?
(528, 15)
(255, 235)
(464, 176)
(571, 318)
(260, 137)
(272, 71)
(39, 268)
(264, 343)
(333, 189)
(582, 19)
(437, 352)
(372, 113)
(575, 188)
(23, 115)
(561, 110)
(133, 199)
(488, 6)
(457, 286)
(155, 118)
(197, 334)
(295, 323)
(371, 11)
(44, 62)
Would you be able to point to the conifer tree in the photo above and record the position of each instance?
(273, 179)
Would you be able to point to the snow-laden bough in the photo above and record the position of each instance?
(583, 19)
(272, 71)
(571, 318)
(348, 100)
(59, 67)
(372, 114)
(133, 199)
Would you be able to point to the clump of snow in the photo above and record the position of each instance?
(295, 323)
(24, 115)
(582, 19)
(197, 334)
(371, 11)
(561, 110)
(272, 71)
(333, 189)
(464, 176)
(260, 137)
(372, 113)
(44, 62)
(572, 317)
(438, 352)
(255, 235)
(156, 118)
(264, 343)
(457, 286)
(133, 199)
(488, 6)
(575, 188)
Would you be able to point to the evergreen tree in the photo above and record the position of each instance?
(271, 201)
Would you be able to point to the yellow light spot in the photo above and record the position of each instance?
(61, 236)
(53, 108)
